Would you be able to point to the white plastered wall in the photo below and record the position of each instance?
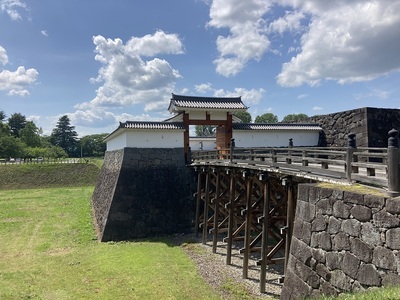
(275, 138)
(146, 139)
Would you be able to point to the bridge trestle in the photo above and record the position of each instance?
(248, 213)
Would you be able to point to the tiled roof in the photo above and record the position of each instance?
(152, 125)
(275, 126)
(179, 102)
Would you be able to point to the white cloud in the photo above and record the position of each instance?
(302, 96)
(3, 56)
(16, 83)
(127, 79)
(345, 42)
(248, 97)
(375, 93)
(247, 39)
(12, 8)
(151, 45)
(44, 33)
(291, 21)
(317, 108)
(203, 87)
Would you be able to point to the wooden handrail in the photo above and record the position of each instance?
(302, 158)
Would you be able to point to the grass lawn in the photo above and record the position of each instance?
(48, 250)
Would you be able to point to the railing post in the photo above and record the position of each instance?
(232, 145)
(393, 164)
(289, 158)
(351, 147)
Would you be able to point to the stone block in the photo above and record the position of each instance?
(350, 265)
(319, 255)
(352, 227)
(302, 230)
(319, 223)
(357, 287)
(341, 241)
(334, 260)
(362, 250)
(306, 274)
(354, 198)
(340, 280)
(323, 271)
(328, 289)
(302, 192)
(324, 241)
(323, 207)
(297, 287)
(393, 205)
(334, 225)
(314, 194)
(390, 279)
(368, 275)
(305, 211)
(373, 201)
(385, 219)
(325, 193)
(370, 234)
(393, 238)
(300, 250)
(361, 213)
(341, 210)
(285, 293)
(384, 258)
(338, 194)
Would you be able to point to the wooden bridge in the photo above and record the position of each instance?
(247, 196)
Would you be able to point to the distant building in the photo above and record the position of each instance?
(218, 111)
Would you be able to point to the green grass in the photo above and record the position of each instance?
(48, 250)
(28, 176)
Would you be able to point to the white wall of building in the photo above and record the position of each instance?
(146, 139)
(195, 143)
(117, 141)
(275, 138)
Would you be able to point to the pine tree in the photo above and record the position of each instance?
(65, 136)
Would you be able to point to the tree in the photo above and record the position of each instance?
(244, 116)
(11, 147)
(16, 122)
(30, 134)
(65, 136)
(4, 129)
(93, 145)
(266, 118)
(2, 116)
(294, 118)
(205, 130)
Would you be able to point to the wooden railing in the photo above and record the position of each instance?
(374, 166)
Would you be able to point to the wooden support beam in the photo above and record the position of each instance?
(206, 203)
(216, 212)
(231, 208)
(264, 239)
(249, 193)
(290, 218)
(198, 200)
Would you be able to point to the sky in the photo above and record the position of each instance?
(109, 61)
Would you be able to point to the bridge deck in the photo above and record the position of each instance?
(367, 165)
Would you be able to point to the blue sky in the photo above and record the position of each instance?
(101, 62)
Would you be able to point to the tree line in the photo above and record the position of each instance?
(20, 138)
(245, 117)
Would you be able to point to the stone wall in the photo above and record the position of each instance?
(342, 242)
(371, 126)
(142, 193)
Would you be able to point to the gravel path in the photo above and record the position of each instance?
(213, 268)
